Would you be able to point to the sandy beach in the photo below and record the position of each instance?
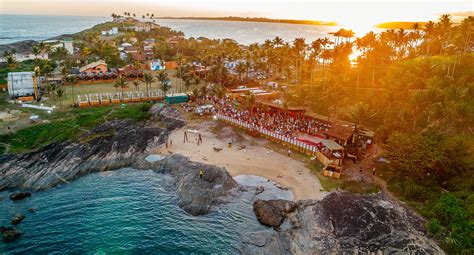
(256, 159)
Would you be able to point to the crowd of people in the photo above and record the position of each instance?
(286, 124)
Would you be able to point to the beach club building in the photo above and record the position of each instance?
(98, 67)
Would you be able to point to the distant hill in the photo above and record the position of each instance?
(255, 19)
(400, 24)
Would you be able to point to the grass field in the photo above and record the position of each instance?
(107, 87)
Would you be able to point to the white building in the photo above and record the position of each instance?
(112, 31)
(20, 84)
(66, 43)
(20, 57)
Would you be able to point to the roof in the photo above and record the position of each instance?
(330, 144)
(92, 65)
(341, 132)
(290, 108)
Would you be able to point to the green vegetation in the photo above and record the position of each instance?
(433, 173)
(70, 125)
(331, 184)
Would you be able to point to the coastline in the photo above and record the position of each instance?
(260, 20)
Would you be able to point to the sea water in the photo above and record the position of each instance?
(123, 211)
(14, 28)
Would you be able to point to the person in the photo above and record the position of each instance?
(373, 171)
(185, 137)
(199, 138)
(360, 169)
(289, 153)
(171, 142)
(201, 173)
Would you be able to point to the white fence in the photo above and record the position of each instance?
(295, 144)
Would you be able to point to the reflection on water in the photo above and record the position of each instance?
(123, 211)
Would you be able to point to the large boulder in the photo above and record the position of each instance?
(9, 234)
(19, 195)
(342, 223)
(197, 194)
(272, 212)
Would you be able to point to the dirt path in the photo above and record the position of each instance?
(255, 159)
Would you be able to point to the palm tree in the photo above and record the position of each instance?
(59, 93)
(165, 83)
(299, 47)
(250, 101)
(72, 80)
(148, 78)
(11, 60)
(241, 69)
(136, 83)
(121, 82)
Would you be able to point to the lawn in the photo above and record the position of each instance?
(107, 87)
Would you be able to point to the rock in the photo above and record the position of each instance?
(170, 116)
(20, 195)
(17, 219)
(259, 190)
(341, 223)
(272, 212)
(109, 146)
(31, 210)
(197, 195)
(9, 234)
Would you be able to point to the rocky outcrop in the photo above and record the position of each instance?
(171, 117)
(9, 234)
(197, 195)
(272, 212)
(112, 145)
(17, 219)
(345, 223)
(19, 195)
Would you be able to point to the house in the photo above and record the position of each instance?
(122, 46)
(157, 65)
(98, 67)
(149, 41)
(20, 57)
(174, 40)
(112, 31)
(171, 65)
(66, 43)
(130, 49)
(144, 27)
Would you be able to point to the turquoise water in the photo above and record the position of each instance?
(123, 211)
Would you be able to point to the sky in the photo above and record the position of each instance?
(345, 12)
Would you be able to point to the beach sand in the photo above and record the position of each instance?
(256, 159)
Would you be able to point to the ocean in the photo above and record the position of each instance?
(124, 211)
(15, 28)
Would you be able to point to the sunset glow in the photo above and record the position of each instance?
(354, 14)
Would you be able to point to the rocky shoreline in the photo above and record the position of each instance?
(339, 223)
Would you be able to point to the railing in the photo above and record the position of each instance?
(117, 97)
(295, 144)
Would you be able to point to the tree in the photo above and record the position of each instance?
(165, 83)
(250, 101)
(136, 83)
(59, 93)
(72, 80)
(148, 81)
(121, 83)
